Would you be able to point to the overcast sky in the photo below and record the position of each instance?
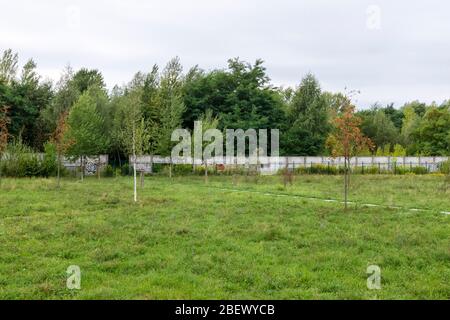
(393, 51)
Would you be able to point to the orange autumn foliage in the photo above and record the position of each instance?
(4, 121)
(347, 139)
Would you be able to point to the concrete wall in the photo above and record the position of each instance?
(270, 165)
(91, 164)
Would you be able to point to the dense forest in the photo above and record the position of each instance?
(240, 96)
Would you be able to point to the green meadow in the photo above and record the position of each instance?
(245, 237)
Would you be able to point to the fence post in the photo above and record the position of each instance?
(362, 167)
(379, 168)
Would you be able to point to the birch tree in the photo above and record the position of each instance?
(170, 108)
(135, 132)
(8, 66)
(208, 122)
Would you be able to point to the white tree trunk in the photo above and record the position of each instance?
(134, 161)
(58, 171)
(135, 182)
(82, 168)
(151, 164)
(98, 167)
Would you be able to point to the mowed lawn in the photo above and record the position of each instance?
(188, 240)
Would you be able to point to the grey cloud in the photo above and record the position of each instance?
(406, 58)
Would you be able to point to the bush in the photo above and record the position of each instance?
(445, 167)
(319, 169)
(125, 170)
(108, 171)
(31, 166)
(187, 169)
(49, 165)
(182, 169)
(401, 170)
(373, 169)
(11, 159)
(20, 161)
(419, 170)
(199, 170)
(158, 168)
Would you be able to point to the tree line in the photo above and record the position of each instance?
(82, 117)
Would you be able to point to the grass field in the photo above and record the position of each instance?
(187, 240)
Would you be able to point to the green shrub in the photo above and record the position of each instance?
(444, 167)
(371, 170)
(158, 168)
(199, 170)
(49, 165)
(32, 166)
(21, 161)
(419, 170)
(18, 160)
(108, 171)
(319, 169)
(125, 170)
(182, 169)
(401, 170)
